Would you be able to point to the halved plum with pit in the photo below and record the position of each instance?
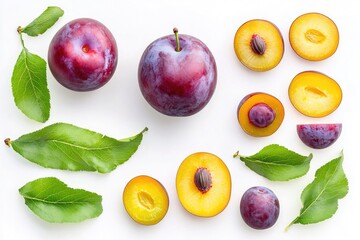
(260, 114)
(259, 45)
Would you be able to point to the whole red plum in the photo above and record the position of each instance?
(177, 75)
(83, 55)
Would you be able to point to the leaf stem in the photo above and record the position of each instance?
(288, 226)
(7, 141)
(144, 130)
(20, 31)
(235, 155)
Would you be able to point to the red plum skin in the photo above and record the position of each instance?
(177, 83)
(83, 55)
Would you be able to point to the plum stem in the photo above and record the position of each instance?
(177, 47)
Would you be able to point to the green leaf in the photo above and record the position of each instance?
(68, 147)
(277, 163)
(53, 201)
(29, 86)
(29, 83)
(320, 198)
(46, 20)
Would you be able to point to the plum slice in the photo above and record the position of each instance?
(314, 94)
(319, 136)
(259, 45)
(314, 36)
(145, 200)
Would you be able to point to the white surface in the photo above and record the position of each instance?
(119, 110)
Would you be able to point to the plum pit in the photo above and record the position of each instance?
(261, 115)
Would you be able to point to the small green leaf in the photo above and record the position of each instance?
(29, 86)
(29, 83)
(46, 20)
(277, 163)
(320, 198)
(68, 147)
(53, 201)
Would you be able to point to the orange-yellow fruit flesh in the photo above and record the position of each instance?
(271, 101)
(274, 45)
(215, 200)
(145, 200)
(314, 36)
(314, 94)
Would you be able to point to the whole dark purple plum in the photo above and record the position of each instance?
(259, 207)
(177, 75)
(83, 55)
(319, 136)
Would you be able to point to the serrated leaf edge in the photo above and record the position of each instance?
(36, 22)
(341, 158)
(26, 52)
(26, 198)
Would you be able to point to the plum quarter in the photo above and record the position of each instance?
(319, 135)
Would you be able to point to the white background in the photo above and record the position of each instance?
(119, 110)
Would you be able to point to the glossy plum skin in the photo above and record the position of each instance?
(83, 55)
(319, 136)
(177, 83)
(261, 115)
(259, 207)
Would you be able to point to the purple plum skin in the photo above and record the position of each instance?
(243, 100)
(261, 115)
(177, 83)
(319, 136)
(259, 207)
(83, 55)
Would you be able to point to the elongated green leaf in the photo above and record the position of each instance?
(46, 20)
(277, 163)
(29, 86)
(53, 201)
(68, 147)
(320, 198)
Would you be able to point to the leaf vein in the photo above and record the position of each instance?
(320, 193)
